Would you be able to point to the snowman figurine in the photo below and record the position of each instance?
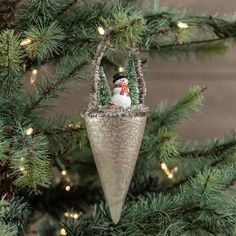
(121, 96)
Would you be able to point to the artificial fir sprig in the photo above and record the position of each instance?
(213, 148)
(31, 165)
(14, 216)
(212, 153)
(181, 110)
(161, 146)
(191, 211)
(46, 41)
(49, 88)
(11, 54)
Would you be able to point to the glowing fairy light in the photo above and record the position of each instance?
(67, 188)
(62, 232)
(164, 166)
(22, 159)
(168, 172)
(33, 76)
(101, 31)
(74, 126)
(175, 169)
(71, 125)
(25, 42)
(66, 214)
(76, 216)
(29, 131)
(22, 169)
(71, 215)
(64, 172)
(170, 176)
(182, 25)
(121, 69)
(77, 126)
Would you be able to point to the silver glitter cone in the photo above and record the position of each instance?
(115, 143)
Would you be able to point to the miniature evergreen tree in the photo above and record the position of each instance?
(133, 84)
(104, 93)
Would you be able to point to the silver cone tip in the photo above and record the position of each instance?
(115, 214)
(115, 221)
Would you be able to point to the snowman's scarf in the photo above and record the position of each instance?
(124, 89)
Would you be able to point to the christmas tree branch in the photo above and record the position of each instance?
(52, 87)
(14, 213)
(212, 148)
(60, 131)
(9, 80)
(158, 212)
(180, 183)
(214, 151)
(188, 45)
(11, 58)
(66, 8)
(168, 117)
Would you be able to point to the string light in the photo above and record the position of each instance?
(77, 126)
(71, 215)
(22, 158)
(64, 172)
(121, 69)
(175, 169)
(170, 176)
(25, 42)
(164, 166)
(66, 214)
(22, 169)
(29, 131)
(76, 216)
(67, 188)
(168, 172)
(182, 25)
(33, 76)
(71, 125)
(63, 231)
(74, 126)
(101, 30)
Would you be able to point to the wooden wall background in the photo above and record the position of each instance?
(168, 80)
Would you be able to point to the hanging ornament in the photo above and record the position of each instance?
(115, 132)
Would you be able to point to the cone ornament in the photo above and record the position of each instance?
(115, 130)
(115, 143)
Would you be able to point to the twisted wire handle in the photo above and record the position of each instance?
(97, 61)
(139, 72)
(95, 67)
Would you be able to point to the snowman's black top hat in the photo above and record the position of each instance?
(118, 76)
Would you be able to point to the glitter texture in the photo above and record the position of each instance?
(115, 143)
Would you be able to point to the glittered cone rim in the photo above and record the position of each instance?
(115, 143)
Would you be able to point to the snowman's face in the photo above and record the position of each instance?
(122, 81)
